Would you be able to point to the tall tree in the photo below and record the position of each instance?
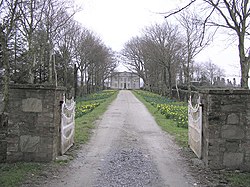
(165, 45)
(194, 41)
(207, 70)
(31, 12)
(135, 58)
(9, 16)
(233, 15)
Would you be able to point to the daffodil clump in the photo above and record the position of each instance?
(176, 111)
(85, 108)
(89, 102)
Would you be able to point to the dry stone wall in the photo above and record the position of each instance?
(33, 132)
(226, 128)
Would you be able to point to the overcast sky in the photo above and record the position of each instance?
(116, 21)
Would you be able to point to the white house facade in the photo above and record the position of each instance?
(124, 80)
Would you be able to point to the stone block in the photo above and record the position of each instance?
(12, 147)
(47, 107)
(29, 143)
(233, 119)
(2, 136)
(32, 105)
(43, 157)
(45, 118)
(214, 162)
(232, 107)
(14, 129)
(246, 147)
(248, 120)
(214, 133)
(233, 146)
(29, 156)
(232, 132)
(248, 132)
(14, 156)
(247, 159)
(233, 160)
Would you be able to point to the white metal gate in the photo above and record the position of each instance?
(67, 124)
(195, 127)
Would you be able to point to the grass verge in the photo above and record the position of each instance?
(85, 124)
(13, 174)
(180, 134)
(239, 179)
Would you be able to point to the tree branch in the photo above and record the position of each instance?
(179, 10)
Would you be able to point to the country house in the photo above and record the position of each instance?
(124, 80)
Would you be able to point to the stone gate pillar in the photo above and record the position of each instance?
(3, 134)
(226, 129)
(34, 123)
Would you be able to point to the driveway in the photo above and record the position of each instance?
(127, 149)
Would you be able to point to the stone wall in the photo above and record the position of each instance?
(226, 129)
(3, 134)
(34, 123)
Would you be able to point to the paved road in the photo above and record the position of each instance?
(127, 149)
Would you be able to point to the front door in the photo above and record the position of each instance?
(125, 86)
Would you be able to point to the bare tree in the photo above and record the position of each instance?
(66, 51)
(212, 70)
(40, 38)
(164, 49)
(9, 17)
(207, 70)
(55, 17)
(194, 41)
(31, 14)
(94, 61)
(135, 57)
(155, 56)
(233, 15)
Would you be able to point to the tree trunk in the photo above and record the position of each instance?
(75, 80)
(244, 72)
(244, 63)
(170, 81)
(188, 76)
(65, 77)
(82, 78)
(6, 66)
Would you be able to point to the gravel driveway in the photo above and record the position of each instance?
(127, 149)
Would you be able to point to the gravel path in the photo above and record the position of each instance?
(127, 149)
